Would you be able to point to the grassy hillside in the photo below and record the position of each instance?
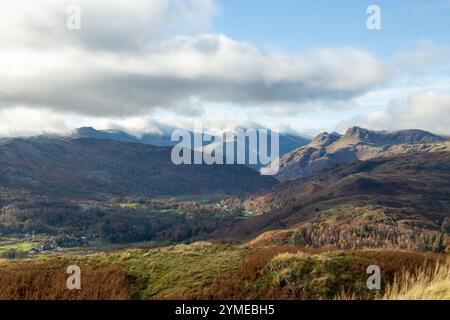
(206, 271)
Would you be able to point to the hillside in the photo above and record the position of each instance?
(330, 150)
(92, 167)
(206, 271)
(393, 202)
(155, 139)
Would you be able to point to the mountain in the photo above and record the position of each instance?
(330, 150)
(287, 143)
(395, 201)
(390, 138)
(155, 139)
(86, 167)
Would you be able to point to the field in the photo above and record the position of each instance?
(12, 247)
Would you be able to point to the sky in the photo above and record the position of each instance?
(291, 65)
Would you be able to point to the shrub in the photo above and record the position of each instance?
(298, 238)
(14, 254)
(445, 227)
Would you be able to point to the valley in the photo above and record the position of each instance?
(176, 151)
(152, 230)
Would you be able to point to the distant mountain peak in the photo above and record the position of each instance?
(287, 142)
(86, 130)
(329, 150)
(411, 136)
(358, 132)
(90, 132)
(326, 138)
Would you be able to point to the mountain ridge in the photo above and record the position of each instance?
(396, 200)
(87, 167)
(330, 150)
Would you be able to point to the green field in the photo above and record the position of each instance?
(203, 199)
(20, 244)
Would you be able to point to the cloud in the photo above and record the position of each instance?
(22, 121)
(105, 25)
(127, 60)
(428, 110)
(427, 56)
(181, 73)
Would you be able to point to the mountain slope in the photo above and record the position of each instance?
(287, 143)
(330, 150)
(88, 167)
(160, 140)
(386, 201)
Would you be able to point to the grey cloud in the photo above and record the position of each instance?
(192, 72)
(118, 64)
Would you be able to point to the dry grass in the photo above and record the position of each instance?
(425, 284)
(206, 271)
(47, 281)
(286, 273)
(242, 283)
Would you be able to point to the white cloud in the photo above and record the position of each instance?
(428, 110)
(108, 25)
(157, 59)
(22, 121)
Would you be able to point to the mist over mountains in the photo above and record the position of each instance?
(287, 142)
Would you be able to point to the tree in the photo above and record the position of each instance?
(445, 227)
(298, 238)
(438, 245)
